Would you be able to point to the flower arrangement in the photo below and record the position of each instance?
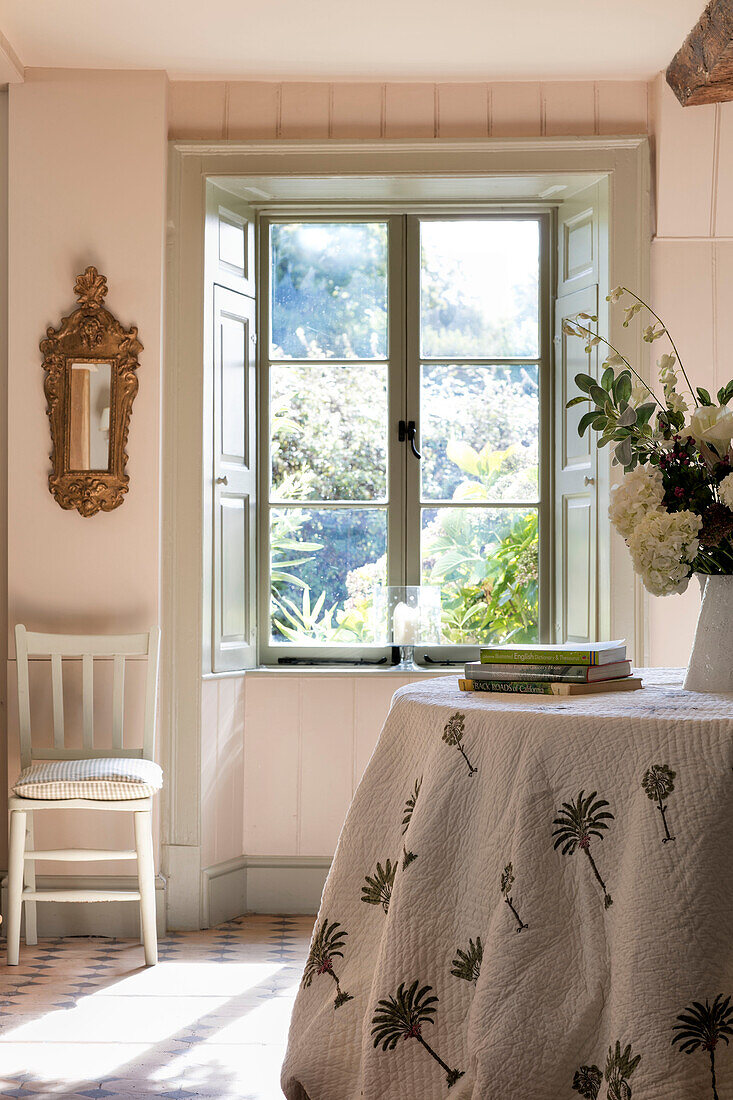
(674, 506)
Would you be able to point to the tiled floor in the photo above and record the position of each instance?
(83, 1017)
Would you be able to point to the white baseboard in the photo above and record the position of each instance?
(223, 891)
(120, 919)
(262, 884)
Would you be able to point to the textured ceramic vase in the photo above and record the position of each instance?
(711, 660)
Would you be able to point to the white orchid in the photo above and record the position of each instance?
(653, 332)
(616, 293)
(640, 394)
(614, 360)
(667, 369)
(630, 312)
(712, 424)
(676, 402)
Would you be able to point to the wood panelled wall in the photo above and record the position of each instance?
(692, 286)
(266, 111)
(282, 755)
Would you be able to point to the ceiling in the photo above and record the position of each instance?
(345, 40)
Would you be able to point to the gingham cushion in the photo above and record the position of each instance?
(111, 779)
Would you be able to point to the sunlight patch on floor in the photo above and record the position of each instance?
(81, 1017)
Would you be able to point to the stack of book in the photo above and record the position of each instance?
(570, 669)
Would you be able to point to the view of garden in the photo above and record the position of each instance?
(478, 428)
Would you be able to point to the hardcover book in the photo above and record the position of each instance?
(546, 687)
(571, 653)
(579, 674)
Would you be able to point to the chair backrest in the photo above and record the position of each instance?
(87, 648)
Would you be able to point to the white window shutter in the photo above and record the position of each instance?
(576, 457)
(232, 483)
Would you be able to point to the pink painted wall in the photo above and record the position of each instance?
(87, 178)
(692, 286)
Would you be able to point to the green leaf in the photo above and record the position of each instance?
(607, 379)
(644, 412)
(598, 395)
(576, 401)
(584, 382)
(622, 388)
(704, 396)
(586, 420)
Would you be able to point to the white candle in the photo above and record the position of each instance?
(405, 624)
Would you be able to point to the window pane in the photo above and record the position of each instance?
(325, 563)
(328, 428)
(486, 563)
(478, 288)
(329, 290)
(479, 429)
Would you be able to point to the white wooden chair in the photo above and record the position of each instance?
(115, 778)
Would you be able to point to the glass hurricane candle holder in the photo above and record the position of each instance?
(406, 616)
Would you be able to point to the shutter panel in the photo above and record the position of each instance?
(230, 258)
(576, 458)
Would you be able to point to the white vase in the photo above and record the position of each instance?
(711, 660)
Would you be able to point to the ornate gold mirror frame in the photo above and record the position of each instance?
(90, 363)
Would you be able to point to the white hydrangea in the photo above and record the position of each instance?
(663, 545)
(725, 491)
(640, 492)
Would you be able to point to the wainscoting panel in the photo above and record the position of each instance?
(267, 111)
(282, 754)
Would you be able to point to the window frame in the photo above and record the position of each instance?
(404, 505)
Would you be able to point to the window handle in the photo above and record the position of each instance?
(408, 431)
(222, 480)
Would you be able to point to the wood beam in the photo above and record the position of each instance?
(702, 69)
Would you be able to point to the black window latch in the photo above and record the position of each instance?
(408, 431)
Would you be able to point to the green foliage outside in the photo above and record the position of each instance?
(328, 442)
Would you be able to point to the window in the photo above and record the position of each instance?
(369, 321)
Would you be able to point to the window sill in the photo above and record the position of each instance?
(332, 670)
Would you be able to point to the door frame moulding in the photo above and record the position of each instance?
(626, 163)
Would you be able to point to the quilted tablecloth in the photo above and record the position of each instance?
(531, 899)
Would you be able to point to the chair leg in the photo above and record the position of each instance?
(31, 933)
(146, 879)
(15, 883)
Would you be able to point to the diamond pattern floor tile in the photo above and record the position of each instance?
(81, 1017)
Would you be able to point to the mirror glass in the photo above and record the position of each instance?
(90, 386)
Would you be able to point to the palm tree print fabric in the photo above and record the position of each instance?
(577, 823)
(506, 883)
(702, 1027)
(409, 857)
(538, 895)
(378, 889)
(326, 946)
(404, 1016)
(453, 735)
(658, 782)
(467, 964)
(620, 1065)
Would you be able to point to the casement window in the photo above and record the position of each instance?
(400, 399)
(402, 427)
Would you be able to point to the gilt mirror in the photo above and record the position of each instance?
(91, 381)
